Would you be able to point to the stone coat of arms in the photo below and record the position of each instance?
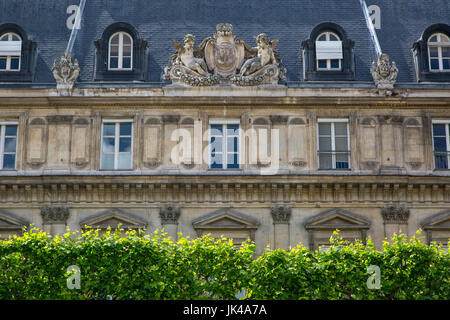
(224, 59)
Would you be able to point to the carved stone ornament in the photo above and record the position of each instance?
(384, 73)
(225, 60)
(393, 214)
(54, 215)
(281, 214)
(169, 214)
(65, 73)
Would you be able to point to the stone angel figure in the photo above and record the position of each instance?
(190, 56)
(260, 56)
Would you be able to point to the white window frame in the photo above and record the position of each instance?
(8, 58)
(333, 143)
(447, 139)
(120, 51)
(439, 45)
(224, 123)
(117, 123)
(328, 68)
(3, 125)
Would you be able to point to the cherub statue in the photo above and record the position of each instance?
(190, 56)
(265, 54)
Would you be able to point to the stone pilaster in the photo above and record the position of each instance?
(169, 220)
(54, 219)
(395, 220)
(281, 216)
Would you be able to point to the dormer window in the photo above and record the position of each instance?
(432, 54)
(120, 51)
(10, 51)
(439, 52)
(328, 54)
(121, 55)
(328, 51)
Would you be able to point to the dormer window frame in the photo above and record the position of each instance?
(120, 51)
(311, 69)
(329, 35)
(439, 45)
(9, 58)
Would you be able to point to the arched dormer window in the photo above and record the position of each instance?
(432, 54)
(10, 51)
(120, 51)
(121, 54)
(328, 51)
(439, 52)
(17, 54)
(328, 54)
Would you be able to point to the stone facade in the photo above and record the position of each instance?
(392, 164)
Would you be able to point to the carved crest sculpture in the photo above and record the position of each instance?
(384, 74)
(225, 60)
(65, 73)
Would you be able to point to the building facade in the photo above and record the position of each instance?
(171, 115)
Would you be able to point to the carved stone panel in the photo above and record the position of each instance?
(81, 134)
(152, 143)
(37, 143)
(298, 143)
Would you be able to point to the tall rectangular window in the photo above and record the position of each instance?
(441, 143)
(224, 144)
(334, 144)
(117, 145)
(8, 145)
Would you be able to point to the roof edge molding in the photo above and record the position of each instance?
(352, 221)
(129, 221)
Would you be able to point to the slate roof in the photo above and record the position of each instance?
(161, 21)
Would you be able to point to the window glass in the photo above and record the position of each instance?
(117, 146)
(333, 145)
(224, 146)
(8, 146)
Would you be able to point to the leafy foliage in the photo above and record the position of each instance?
(129, 265)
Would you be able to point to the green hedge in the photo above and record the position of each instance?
(120, 265)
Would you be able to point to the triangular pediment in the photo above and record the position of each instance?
(437, 221)
(10, 221)
(225, 218)
(112, 218)
(337, 218)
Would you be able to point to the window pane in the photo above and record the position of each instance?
(127, 51)
(126, 63)
(216, 130)
(446, 64)
(15, 38)
(232, 161)
(216, 160)
(322, 64)
(232, 144)
(325, 161)
(434, 52)
(114, 63)
(9, 161)
(433, 39)
(233, 130)
(322, 37)
(216, 144)
(325, 144)
(441, 161)
(446, 52)
(109, 129)
(341, 144)
(126, 40)
(124, 161)
(333, 37)
(108, 145)
(125, 129)
(125, 145)
(11, 131)
(335, 64)
(2, 63)
(439, 130)
(341, 165)
(434, 64)
(14, 63)
(340, 129)
(325, 129)
(114, 51)
(115, 40)
(10, 144)
(440, 144)
(108, 161)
